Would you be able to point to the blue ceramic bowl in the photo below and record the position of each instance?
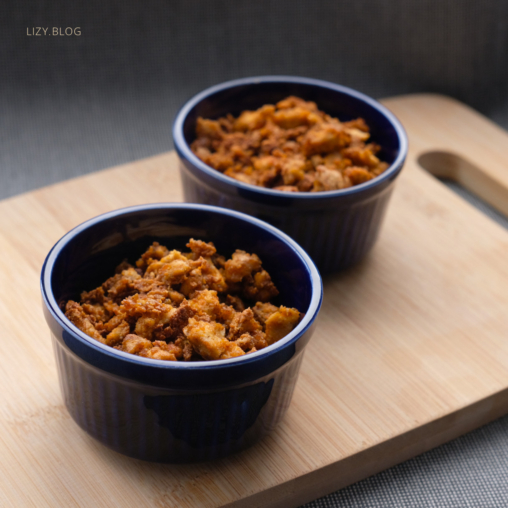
(175, 411)
(337, 228)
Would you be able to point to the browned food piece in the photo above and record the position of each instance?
(143, 305)
(179, 318)
(292, 101)
(134, 344)
(172, 272)
(289, 118)
(358, 124)
(177, 351)
(236, 302)
(325, 138)
(98, 311)
(214, 277)
(280, 323)
(358, 175)
(286, 188)
(93, 297)
(155, 251)
(186, 347)
(206, 303)
(159, 350)
(171, 328)
(124, 265)
(203, 275)
(232, 351)
(361, 156)
(154, 265)
(157, 353)
(176, 297)
(281, 146)
(117, 319)
(209, 129)
(208, 339)
(243, 322)
(84, 322)
(262, 311)
(334, 160)
(260, 287)
(329, 179)
(121, 285)
(184, 306)
(249, 342)
(226, 314)
(146, 285)
(150, 314)
(250, 120)
(118, 334)
(307, 182)
(201, 249)
(241, 265)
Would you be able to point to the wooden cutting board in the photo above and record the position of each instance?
(411, 349)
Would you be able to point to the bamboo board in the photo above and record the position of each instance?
(411, 349)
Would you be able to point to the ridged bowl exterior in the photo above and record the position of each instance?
(336, 228)
(334, 237)
(160, 425)
(175, 411)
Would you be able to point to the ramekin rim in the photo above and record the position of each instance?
(57, 314)
(186, 153)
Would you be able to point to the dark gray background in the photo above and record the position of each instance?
(73, 105)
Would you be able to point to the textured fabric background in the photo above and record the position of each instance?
(469, 472)
(72, 105)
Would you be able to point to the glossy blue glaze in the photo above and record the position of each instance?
(337, 228)
(175, 411)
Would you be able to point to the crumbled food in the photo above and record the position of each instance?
(187, 306)
(290, 147)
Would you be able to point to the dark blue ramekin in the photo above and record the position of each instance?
(175, 411)
(337, 228)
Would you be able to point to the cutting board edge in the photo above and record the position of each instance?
(336, 476)
(319, 482)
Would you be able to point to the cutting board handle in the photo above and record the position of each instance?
(452, 140)
(443, 164)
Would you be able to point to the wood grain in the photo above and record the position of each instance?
(410, 350)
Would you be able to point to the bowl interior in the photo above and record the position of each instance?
(335, 100)
(97, 247)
